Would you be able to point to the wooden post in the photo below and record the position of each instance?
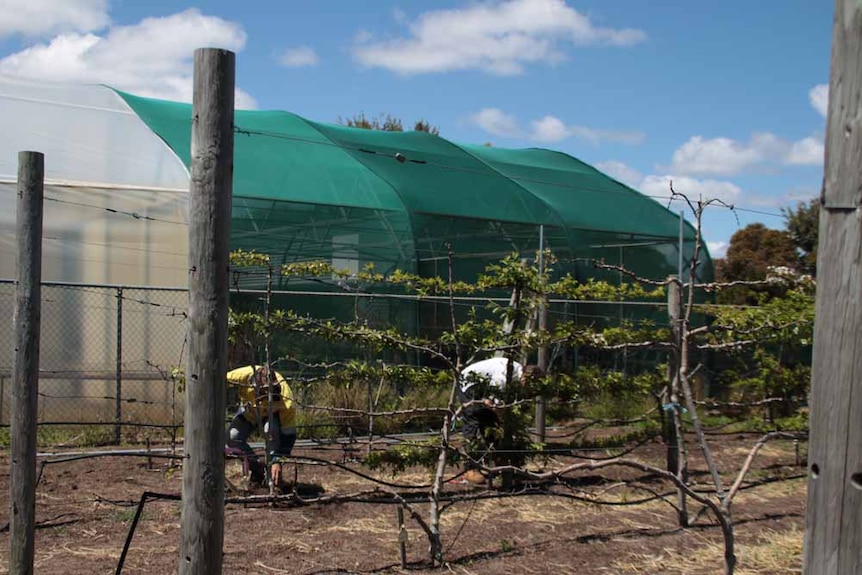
(402, 538)
(370, 418)
(672, 422)
(25, 363)
(202, 519)
(833, 527)
(542, 354)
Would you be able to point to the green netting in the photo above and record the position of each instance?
(306, 190)
(280, 156)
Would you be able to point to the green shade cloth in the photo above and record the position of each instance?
(309, 190)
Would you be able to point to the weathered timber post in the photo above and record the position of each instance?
(672, 428)
(542, 355)
(202, 520)
(25, 363)
(833, 526)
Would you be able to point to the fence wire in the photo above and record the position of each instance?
(106, 354)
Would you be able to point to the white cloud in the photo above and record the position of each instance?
(498, 37)
(806, 152)
(549, 129)
(726, 157)
(718, 156)
(596, 137)
(621, 172)
(299, 57)
(717, 249)
(659, 185)
(496, 122)
(819, 98)
(46, 17)
(152, 58)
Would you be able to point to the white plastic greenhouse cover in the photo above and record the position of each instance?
(116, 209)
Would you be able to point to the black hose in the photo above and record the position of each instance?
(128, 543)
(144, 496)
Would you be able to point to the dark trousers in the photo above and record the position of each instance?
(479, 424)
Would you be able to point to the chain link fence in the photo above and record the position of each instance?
(106, 356)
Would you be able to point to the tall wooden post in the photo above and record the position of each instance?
(25, 363)
(202, 520)
(672, 423)
(833, 528)
(542, 355)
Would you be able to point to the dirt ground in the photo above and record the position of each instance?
(85, 509)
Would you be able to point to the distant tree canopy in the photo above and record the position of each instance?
(386, 123)
(755, 248)
(802, 223)
(752, 251)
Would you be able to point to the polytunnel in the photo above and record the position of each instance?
(116, 214)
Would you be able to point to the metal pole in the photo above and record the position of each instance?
(202, 518)
(25, 363)
(118, 408)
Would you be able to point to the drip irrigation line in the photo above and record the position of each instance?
(65, 459)
(317, 461)
(140, 510)
(49, 523)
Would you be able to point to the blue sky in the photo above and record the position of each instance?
(727, 98)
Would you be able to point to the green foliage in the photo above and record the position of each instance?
(753, 250)
(66, 435)
(616, 393)
(399, 458)
(610, 405)
(386, 123)
(802, 223)
(621, 438)
(391, 388)
(247, 259)
(780, 325)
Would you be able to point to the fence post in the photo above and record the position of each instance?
(672, 424)
(833, 523)
(25, 363)
(202, 518)
(118, 412)
(542, 354)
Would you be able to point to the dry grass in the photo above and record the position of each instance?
(771, 553)
(366, 525)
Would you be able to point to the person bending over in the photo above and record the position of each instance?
(482, 386)
(256, 385)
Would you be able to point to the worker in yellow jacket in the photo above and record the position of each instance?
(255, 384)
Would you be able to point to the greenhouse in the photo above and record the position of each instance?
(116, 212)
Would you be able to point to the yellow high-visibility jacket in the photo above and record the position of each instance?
(243, 378)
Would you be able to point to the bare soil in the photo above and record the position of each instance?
(85, 509)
